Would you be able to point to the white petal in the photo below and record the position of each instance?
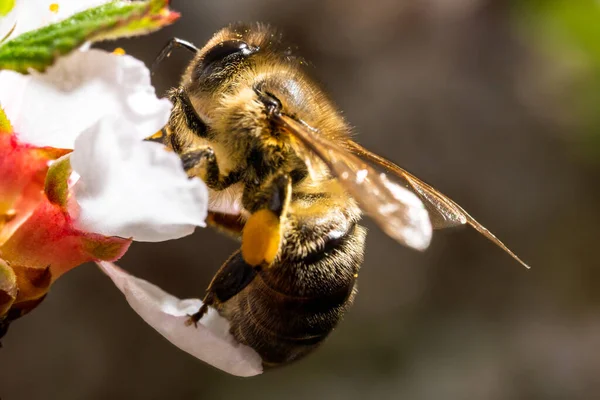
(210, 342)
(131, 188)
(12, 91)
(8, 23)
(53, 108)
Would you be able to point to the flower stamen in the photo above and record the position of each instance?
(54, 8)
(6, 217)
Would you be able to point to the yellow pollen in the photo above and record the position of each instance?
(54, 8)
(119, 51)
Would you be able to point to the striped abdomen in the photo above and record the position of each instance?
(289, 308)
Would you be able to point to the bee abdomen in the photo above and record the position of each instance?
(296, 317)
(268, 332)
(291, 307)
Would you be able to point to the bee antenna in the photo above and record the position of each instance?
(169, 47)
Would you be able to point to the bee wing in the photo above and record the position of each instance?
(396, 210)
(443, 211)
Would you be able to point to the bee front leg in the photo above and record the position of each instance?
(261, 236)
(202, 162)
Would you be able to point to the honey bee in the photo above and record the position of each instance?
(286, 178)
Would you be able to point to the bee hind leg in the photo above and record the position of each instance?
(193, 319)
(261, 236)
(231, 279)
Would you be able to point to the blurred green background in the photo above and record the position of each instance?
(497, 104)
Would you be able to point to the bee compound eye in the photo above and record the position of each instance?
(230, 51)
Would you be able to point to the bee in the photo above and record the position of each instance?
(285, 177)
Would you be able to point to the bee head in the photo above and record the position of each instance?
(244, 75)
(234, 50)
(239, 78)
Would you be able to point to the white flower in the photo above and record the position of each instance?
(102, 106)
(76, 93)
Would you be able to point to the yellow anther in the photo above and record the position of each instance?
(5, 218)
(119, 51)
(54, 8)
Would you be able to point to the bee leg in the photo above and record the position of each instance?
(183, 108)
(229, 224)
(197, 316)
(261, 236)
(202, 162)
(232, 278)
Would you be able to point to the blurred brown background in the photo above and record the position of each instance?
(493, 102)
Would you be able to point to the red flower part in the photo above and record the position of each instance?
(38, 240)
(22, 174)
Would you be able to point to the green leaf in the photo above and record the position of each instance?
(40, 48)
(6, 6)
